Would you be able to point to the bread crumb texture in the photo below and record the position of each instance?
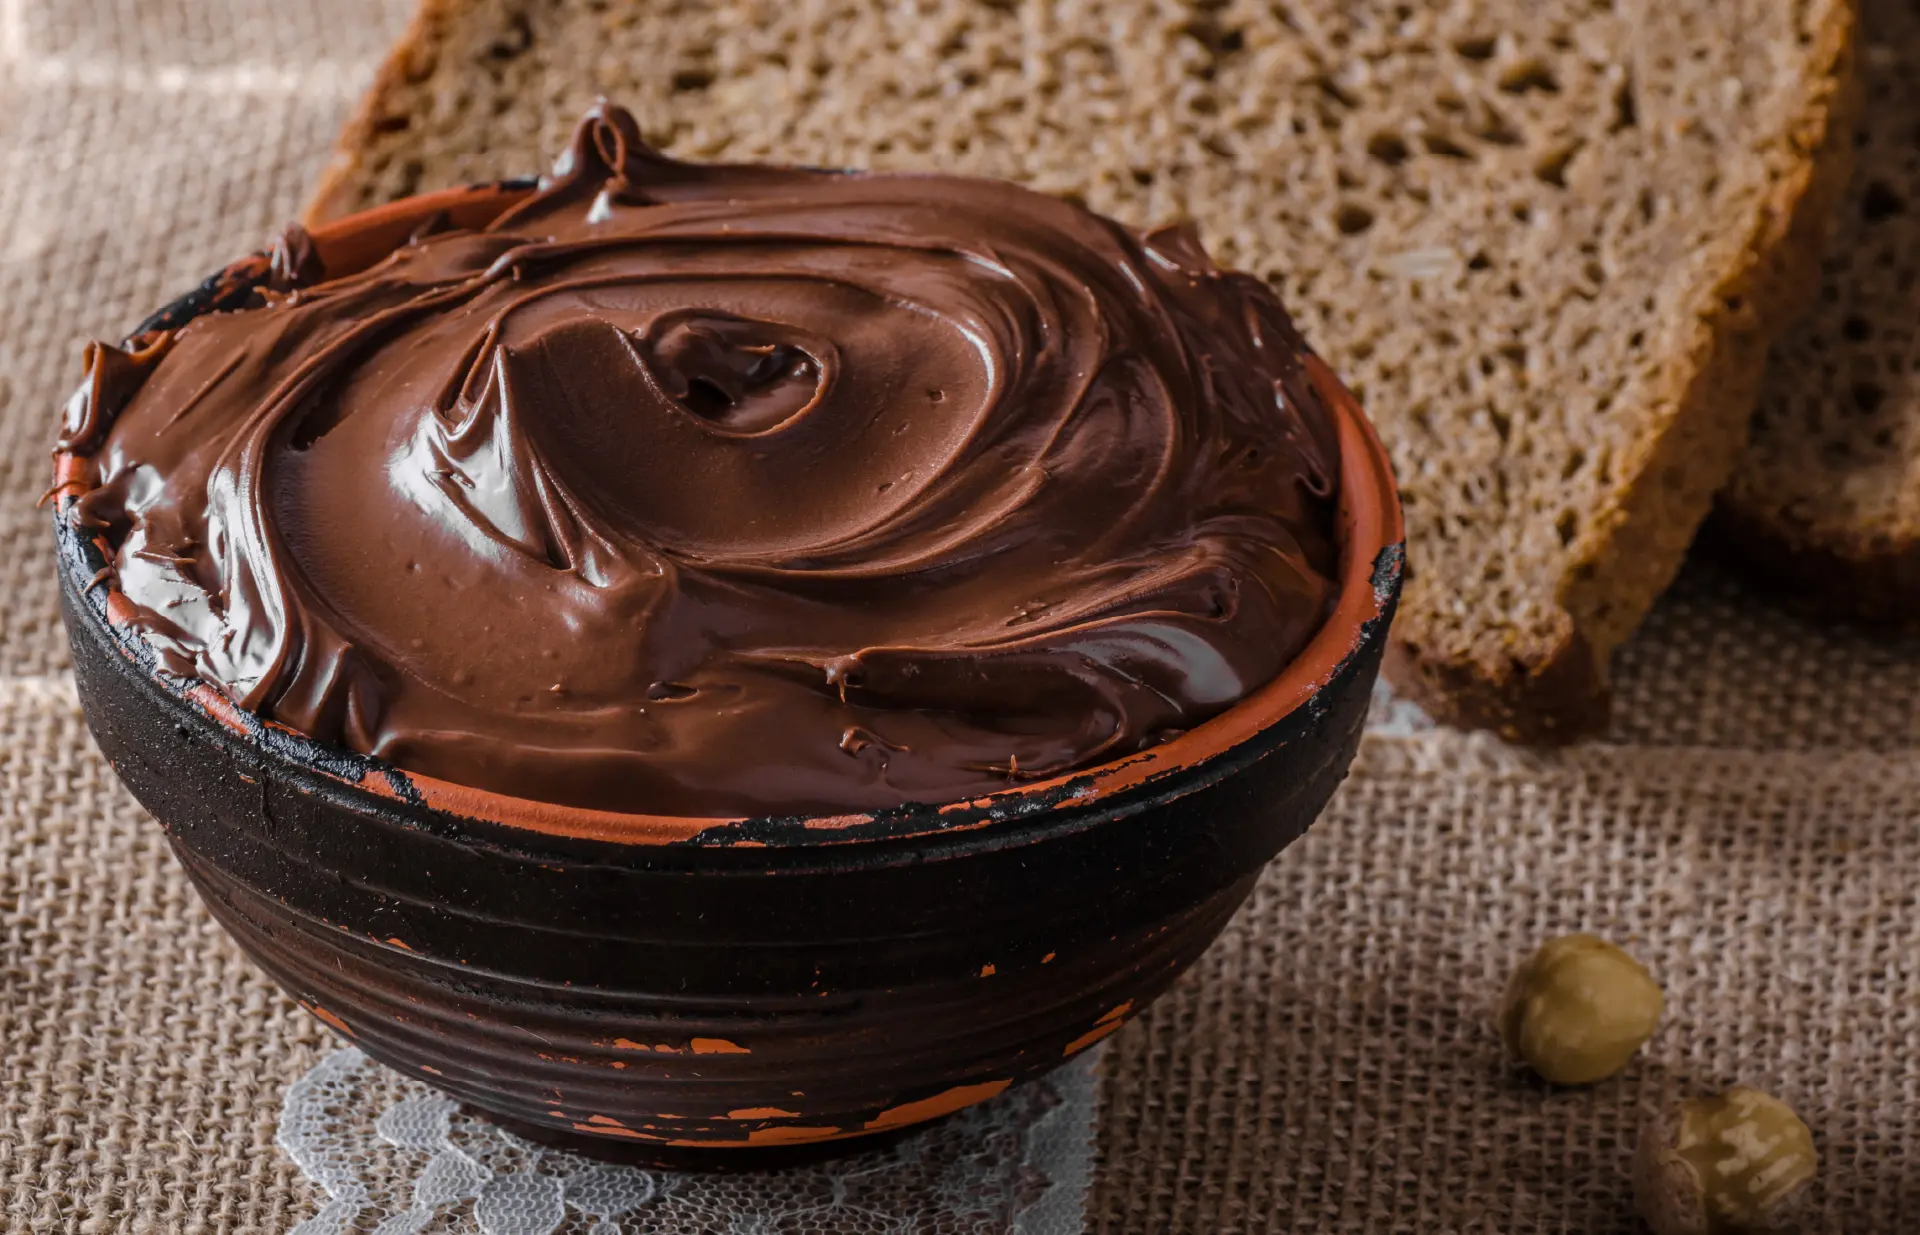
(1826, 500)
(1546, 243)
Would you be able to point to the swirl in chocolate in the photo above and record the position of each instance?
(721, 490)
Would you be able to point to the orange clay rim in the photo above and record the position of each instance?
(1369, 524)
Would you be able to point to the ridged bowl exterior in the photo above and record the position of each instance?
(695, 995)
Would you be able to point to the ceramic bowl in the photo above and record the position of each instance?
(714, 985)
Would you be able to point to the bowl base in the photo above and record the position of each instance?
(691, 1158)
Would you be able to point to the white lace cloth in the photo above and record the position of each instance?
(395, 1157)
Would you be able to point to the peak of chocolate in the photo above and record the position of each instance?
(721, 490)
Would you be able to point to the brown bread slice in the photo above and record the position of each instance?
(1825, 503)
(1547, 241)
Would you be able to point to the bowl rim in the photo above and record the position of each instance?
(1369, 526)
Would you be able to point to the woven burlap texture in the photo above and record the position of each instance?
(1751, 828)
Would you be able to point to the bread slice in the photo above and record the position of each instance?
(1825, 503)
(1547, 241)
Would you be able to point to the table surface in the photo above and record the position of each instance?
(1750, 826)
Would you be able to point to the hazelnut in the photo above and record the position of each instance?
(1728, 1165)
(1578, 1009)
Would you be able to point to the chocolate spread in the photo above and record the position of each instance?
(721, 490)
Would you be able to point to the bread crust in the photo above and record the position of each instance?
(410, 60)
(1847, 576)
(1549, 700)
(1529, 689)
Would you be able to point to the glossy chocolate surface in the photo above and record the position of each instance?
(720, 491)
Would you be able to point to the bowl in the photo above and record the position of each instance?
(698, 988)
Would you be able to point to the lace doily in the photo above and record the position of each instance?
(395, 1157)
(1388, 715)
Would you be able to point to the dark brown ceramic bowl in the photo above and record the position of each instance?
(711, 983)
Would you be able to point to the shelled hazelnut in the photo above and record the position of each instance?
(1578, 1008)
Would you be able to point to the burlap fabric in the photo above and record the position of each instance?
(1751, 828)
